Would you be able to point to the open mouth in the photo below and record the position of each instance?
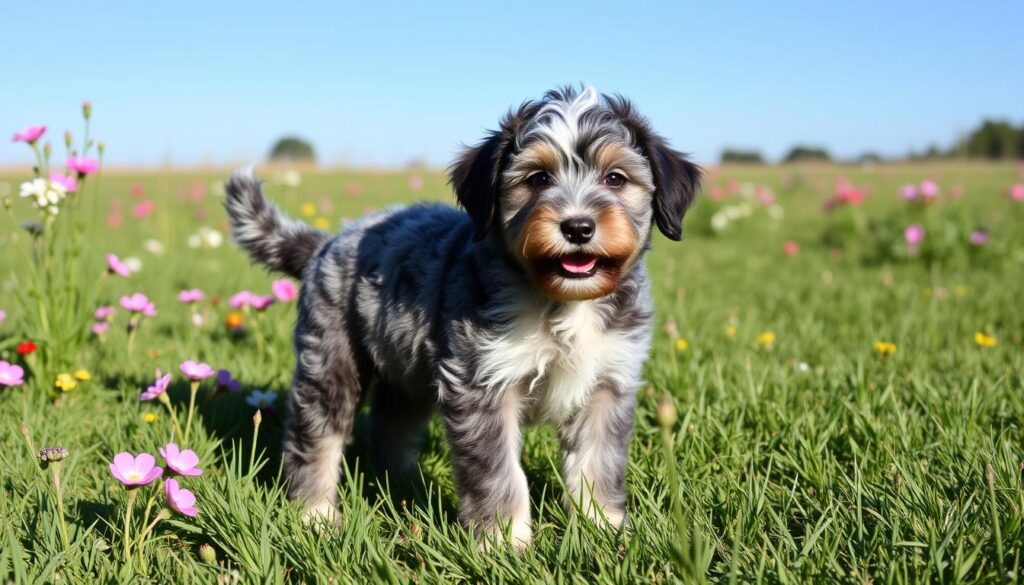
(577, 265)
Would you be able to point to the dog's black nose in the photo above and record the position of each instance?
(578, 230)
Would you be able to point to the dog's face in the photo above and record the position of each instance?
(573, 185)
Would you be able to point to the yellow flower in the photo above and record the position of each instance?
(766, 339)
(321, 223)
(234, 321)
(149, 417)
(984, 340)
(307, 209)
(682, 344)
(65, 382)
(730, 330)
(885, 347)
(82, 375)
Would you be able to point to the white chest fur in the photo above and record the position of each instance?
(557, 358)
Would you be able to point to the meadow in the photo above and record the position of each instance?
(844, 394)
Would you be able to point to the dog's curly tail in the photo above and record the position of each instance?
(269, 236)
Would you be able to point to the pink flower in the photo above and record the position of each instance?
(29, 135)
(133, 471)
(137, 190)
(929, 189)
(69, 183)
(103, 313)
(158, 387)
(114, 220)
(192, 295)
(115, 266)
(979, 237)
(956, 191)
(765, 194)
(240, 299)
(100, 328)
(195, 371)
(181, 462)
(138, 303)
(226, 382)
(914, 234)
(285, 290)
(1017, 192)
(261, 302)
(143, 209)
(82, 165)
(3, 315)
(181, 500)
(908, 192)
(791, 248)
(415, 182)
(11, 375)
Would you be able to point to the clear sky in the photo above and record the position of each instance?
(384, 83)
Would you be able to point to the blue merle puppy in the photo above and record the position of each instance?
(531, 306)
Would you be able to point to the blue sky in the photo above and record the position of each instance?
(383, 83)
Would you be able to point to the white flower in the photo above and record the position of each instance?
(133, 263)
(198, 319)
(260, 399)
(776, 212)
(211, 237)
(719, 221)
(194, 241)
(290, 178)
(802, 367)
(35, 188)
(154, 247)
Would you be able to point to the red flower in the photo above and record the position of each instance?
(26, 347)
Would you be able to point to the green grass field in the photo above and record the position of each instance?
(813, 458)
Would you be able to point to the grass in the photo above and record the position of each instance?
(813, 460)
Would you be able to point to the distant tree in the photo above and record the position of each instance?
(807, 154)
(292, 149)
(869, 158)
(995, 139)
(750, 157)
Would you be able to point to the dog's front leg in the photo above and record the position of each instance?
(485, 437)
(595, 450)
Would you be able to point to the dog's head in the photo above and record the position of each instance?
(573, 184)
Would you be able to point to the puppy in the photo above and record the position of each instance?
(531, 306)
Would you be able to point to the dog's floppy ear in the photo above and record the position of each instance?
(676, 179)
(476, 173)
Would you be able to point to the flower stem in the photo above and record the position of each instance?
(127, 526)
(191, 409)
(162, 515)
(55, 468)
(174, 415)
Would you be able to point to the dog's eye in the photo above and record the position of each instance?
(614, 180)
(539, 180)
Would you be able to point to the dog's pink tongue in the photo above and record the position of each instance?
(578, 263)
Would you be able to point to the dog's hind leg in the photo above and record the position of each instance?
(398, 422)
(325, 395)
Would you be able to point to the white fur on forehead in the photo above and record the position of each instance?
(558, 121)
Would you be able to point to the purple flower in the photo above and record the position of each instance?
(133, 471)
(82, 165)
(929, 189)
(979, 237)
(285, 290)
(68, 182)
(226, 382)
(240, 299)
(29, 135)
(190, 296)
(11, 375)
(116, 266)
(261, 302)
(104, 313)
(181, 500)
(914, 234)
(138, 303)
(158, 387)
(908, 192)
(181, 462)
(100, 328)
(195, 371)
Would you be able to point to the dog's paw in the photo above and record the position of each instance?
(519, 536)
(321, 514)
